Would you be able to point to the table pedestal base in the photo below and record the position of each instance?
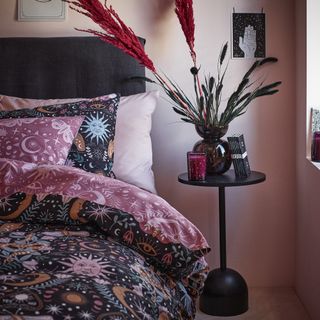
(225, 293)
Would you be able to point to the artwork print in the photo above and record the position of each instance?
(41, 10)
(248, 35)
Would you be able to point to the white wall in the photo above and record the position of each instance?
(260, 218)
(308, 176)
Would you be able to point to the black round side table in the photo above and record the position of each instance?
(225, 291)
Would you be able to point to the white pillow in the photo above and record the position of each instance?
(132, 143)
(133, 147)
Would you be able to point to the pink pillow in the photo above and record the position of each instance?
(38, 140)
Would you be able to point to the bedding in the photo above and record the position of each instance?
(78, 245)
(92, 149)
(75, 243)
(38, 140)
(132, 142)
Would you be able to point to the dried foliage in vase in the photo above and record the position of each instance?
(204, 109)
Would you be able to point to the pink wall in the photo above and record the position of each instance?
(308, 176)
(261, 218)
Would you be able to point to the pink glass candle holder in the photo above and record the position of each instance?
(315, 152)
(197, 166)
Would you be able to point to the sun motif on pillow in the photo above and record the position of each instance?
(96, 128)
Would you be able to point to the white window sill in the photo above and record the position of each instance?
(316, 164)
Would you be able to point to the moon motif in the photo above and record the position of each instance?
(79, 142)
(8, 227)
(111, 149)
(120, 293)
(32, 145)
(41, 109)
(75, 210)
(92, 246)
(24, 204)
(91, 166)
(106, 316)
(38, 278)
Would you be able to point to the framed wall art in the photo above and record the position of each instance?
(248, 35)
(41, 10)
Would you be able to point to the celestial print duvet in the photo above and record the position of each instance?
(95, 255)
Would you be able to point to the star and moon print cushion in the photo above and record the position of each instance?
(38, 140)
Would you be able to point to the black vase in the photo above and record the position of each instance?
(217, 150)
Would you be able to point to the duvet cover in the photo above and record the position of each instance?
(76, 245)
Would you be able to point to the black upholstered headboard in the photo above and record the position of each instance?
(65, 67)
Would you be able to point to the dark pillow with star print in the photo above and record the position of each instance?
(92, 148)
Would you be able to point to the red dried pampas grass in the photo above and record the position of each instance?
(184, 12)
(115, 30)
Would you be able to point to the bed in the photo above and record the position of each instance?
(83, 234)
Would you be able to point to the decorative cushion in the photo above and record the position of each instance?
(92, 149)
(38, 140)
(132, 142)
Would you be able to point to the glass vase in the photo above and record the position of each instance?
(217, 150)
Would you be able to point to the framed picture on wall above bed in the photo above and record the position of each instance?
(41, 10)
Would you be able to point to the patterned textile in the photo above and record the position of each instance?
(135, 217)
(92, 149)
(76, 245)
(38, 140)
(53, 272)
(132, 143)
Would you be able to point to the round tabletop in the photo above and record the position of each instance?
(228, 179)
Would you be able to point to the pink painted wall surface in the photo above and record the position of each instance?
(260, 218)
(308, 176)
